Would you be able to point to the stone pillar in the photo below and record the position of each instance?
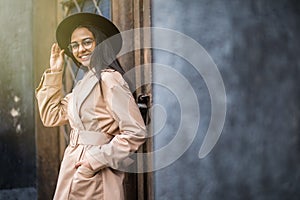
(47, 139)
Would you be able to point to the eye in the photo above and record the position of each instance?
(87, 42)
(74, 45)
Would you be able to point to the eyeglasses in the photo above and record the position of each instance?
(85, 43)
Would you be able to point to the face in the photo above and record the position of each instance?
(82, 45)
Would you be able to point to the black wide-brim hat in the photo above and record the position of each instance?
(70, 23)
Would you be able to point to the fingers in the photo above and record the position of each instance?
(56, 58)
(61, 53)
(78, 164)
(83, 163)
(55, 49)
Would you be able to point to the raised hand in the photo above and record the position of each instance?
(56, 58)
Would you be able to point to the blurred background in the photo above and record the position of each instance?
(255, 46)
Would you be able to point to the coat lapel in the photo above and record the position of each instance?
(81, 92)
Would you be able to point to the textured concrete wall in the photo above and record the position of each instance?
(17, 141)
(255, 45)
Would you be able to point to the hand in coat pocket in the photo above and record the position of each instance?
(86, 184)
(85, 171)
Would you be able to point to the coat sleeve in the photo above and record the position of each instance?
(125, 111)
(51, 104)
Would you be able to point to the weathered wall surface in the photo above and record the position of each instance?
(17, 141)
(255, 45)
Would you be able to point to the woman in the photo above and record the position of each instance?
(105, 120)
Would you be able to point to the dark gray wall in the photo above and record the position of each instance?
(255, 45)
(17, 141)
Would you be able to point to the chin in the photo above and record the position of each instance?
(86, 64)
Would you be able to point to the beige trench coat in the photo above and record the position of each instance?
(106, 128)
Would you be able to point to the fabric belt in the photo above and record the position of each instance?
(88, 138)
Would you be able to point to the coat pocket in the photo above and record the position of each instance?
(85, 172)
(86, 184)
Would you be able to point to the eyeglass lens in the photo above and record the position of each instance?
(86, 43)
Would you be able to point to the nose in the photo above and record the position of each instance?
(81, 48)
